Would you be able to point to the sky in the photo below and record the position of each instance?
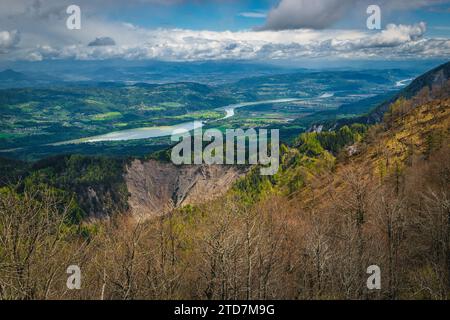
(199, 30)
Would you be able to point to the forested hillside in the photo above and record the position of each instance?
(419, 87)
(342, 201)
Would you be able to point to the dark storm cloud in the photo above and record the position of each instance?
(321, 14)
(102, 41)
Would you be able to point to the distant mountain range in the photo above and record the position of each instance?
(10, 78)
(131, 72)
(62, 72)
(11, 75)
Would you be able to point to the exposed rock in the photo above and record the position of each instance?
(156, 188)
(352, 150)
(316, 128)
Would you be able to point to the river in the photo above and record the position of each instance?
(164, 131)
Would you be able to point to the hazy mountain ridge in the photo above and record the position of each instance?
(437, 76)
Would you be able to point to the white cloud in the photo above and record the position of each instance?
(8, 40)
(405, 41)
(392, 36)
(256, 15)
(43, 35)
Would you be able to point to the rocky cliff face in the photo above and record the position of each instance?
(157, 188)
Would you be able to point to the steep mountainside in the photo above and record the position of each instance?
(437, 76)
(156, 188)
(389, 156)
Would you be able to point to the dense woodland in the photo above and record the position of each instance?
(342, 201)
